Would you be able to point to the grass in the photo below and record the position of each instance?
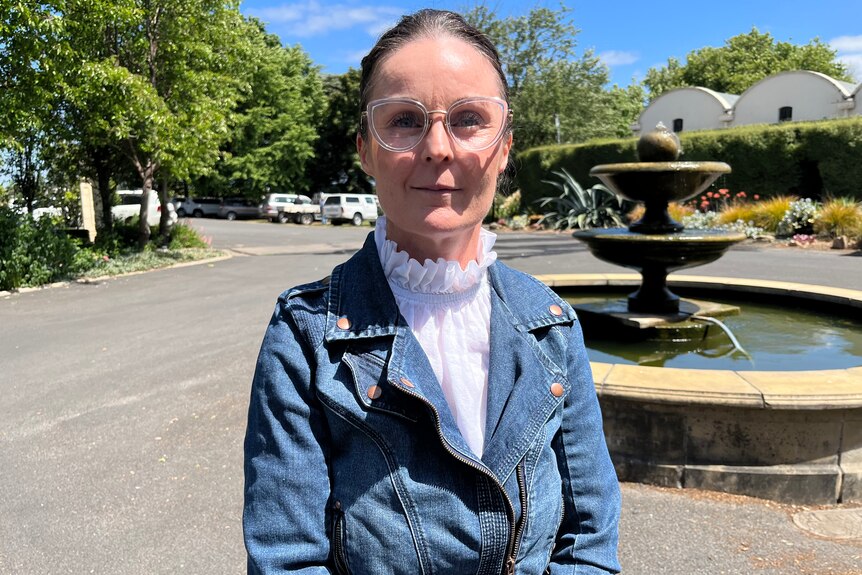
(839, 217)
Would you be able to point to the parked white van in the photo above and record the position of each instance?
(353, 208)
(130, 206)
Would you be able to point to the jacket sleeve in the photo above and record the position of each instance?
(587, 539)
(286, 472)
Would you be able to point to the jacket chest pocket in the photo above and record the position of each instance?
(373, 390)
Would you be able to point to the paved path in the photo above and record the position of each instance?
(122, 409)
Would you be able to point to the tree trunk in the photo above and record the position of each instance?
(164, 219)
(147, 185)
(101, 163)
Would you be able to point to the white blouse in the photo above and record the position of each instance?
(449, 311)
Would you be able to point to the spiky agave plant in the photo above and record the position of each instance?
(575, 207)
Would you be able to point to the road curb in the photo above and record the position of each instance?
(8, 293)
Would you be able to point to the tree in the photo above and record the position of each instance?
(336, 162)
(160, 84)
(274, 127)
(743, 61)
(28, 80)
(557, 96)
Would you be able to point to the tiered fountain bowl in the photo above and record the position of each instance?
(656, 245)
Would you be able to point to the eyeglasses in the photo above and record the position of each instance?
(399, 124)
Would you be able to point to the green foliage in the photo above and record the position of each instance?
(184, 236)
(336, 162)
(33, 252)
(575, 207)
(744, 60)
(557, 95)
(805, 159)
(274, 129)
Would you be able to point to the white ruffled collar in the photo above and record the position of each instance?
(437, 277)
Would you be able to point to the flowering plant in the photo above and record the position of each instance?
(720, 199)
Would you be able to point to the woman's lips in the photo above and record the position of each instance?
(436, 188)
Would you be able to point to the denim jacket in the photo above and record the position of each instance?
(354, 463)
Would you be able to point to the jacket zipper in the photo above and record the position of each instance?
(338, 544)
(514, 529)
(518, 531)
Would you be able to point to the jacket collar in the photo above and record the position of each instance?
(360, 294)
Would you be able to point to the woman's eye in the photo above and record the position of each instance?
(405, 120)
(466, 119)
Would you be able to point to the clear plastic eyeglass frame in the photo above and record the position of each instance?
(505, 117)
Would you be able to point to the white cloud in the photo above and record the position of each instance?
(618, 58)
(851, 44)
(312, 18)
(849, 53)
(854, 65)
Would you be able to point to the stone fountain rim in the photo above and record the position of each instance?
(784, 390)
(705, 167)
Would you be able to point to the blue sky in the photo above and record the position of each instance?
(630, 37)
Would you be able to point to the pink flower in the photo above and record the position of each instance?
(708, 194)
(703, 198)
(740, 195)
(756, 196)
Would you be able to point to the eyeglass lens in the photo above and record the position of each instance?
(475, 124)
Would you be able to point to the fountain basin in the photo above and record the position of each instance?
(655, 255)
(791, 436)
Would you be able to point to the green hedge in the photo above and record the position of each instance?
(804, 159)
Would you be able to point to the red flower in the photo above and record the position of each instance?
(740, 195)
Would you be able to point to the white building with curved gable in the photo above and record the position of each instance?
(689, 109)
(797, 95)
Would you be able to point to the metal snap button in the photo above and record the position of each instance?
(407, 382)
(557, 389)
(374, 392)
(343, 323)
(556, 310)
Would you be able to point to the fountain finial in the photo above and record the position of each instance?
(659, 145)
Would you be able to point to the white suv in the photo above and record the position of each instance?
(354, 208)
(130, 206)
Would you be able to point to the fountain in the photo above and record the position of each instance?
(793, 436)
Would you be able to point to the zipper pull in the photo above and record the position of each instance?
(510, 566)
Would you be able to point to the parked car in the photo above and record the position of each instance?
(199, 207)
(272, 203)
(130, 206)
(354, 208)
(300, 209)
(234, 208)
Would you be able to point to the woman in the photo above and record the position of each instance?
(426, 409)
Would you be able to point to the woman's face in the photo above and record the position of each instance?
(437, 191)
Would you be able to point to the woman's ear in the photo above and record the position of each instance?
(504, 153)
(362, 149)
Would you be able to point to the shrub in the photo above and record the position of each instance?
(799, 218)
(770, 212)
(186, 236)
(736, 212)
(839, 217)
(33, 252)
(575, 207)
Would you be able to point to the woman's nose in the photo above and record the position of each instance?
(438, 144)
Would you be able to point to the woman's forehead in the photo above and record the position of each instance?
(448, 68)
